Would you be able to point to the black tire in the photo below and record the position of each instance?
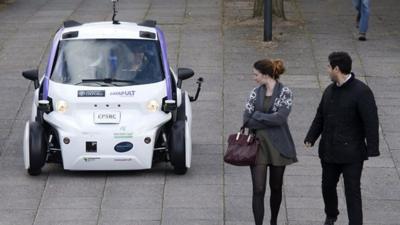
(180, 170)
(177, 145)
(33, 172)
(177, 148)
(37, 148)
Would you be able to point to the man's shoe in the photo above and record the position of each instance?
(362, 37)
(330, 221)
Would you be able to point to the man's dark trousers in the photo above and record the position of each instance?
(351, 177)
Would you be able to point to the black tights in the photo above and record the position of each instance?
(259, 176)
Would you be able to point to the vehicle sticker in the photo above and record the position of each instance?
(123, 93)
(90, 159)
(106, 117)
(123, 135)
(123, 160)
(91, 93)
(123, 146)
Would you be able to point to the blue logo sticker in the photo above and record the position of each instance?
(123, 146)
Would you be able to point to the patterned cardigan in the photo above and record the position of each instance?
(274, 120)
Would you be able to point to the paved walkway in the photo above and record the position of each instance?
(220, 42)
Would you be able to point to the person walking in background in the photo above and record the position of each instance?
(266, 113)
(362, 7)
(347, 121)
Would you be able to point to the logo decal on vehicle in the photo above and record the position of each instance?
(123, 93)
(123, 160)
(90, 159)
(91, 93)
(123, 146)
(123, 135)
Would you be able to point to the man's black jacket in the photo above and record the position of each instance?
(347, 121)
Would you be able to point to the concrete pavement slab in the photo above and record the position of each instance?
(235, 209)
(381, 162)
(72, 222)
(57, 5)
(51, 202)
(67, 216)
(300, 169)
(134, 203)
(207, 149)
(17, 216)
(12, 203)
(129, 222)
(192, 222)
(308, 191)
(231, 170)
(374, 178)
(136, 215)
(381, 212)
(393, 140)
(192, 196)
(312, 216)
(243, 178)
(198, 176)
(135, 190)
(84, 185)
(84, 16)
(313, 203)
(312, 180)
(128, 178)
(179, 214)
(243, 190)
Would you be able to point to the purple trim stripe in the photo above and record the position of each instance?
(165, 63)
(50, 63)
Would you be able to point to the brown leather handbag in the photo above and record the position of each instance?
(242, 149)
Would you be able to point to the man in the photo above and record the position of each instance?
(347, 121)
(139, 67)
(362, 7)
(137, 58)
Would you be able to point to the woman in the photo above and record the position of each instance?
(266, 113)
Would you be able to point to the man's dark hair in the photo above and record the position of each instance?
(341, 60)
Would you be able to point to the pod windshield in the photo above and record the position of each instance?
(107, 62)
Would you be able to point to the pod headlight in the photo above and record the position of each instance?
(61, 106)
(152, 106)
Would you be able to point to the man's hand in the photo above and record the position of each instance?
(308, 144)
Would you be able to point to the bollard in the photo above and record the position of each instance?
(267, 20)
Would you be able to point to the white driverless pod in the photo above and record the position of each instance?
(109, 101)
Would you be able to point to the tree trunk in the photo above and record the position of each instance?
(258, 8)
(277, 8)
